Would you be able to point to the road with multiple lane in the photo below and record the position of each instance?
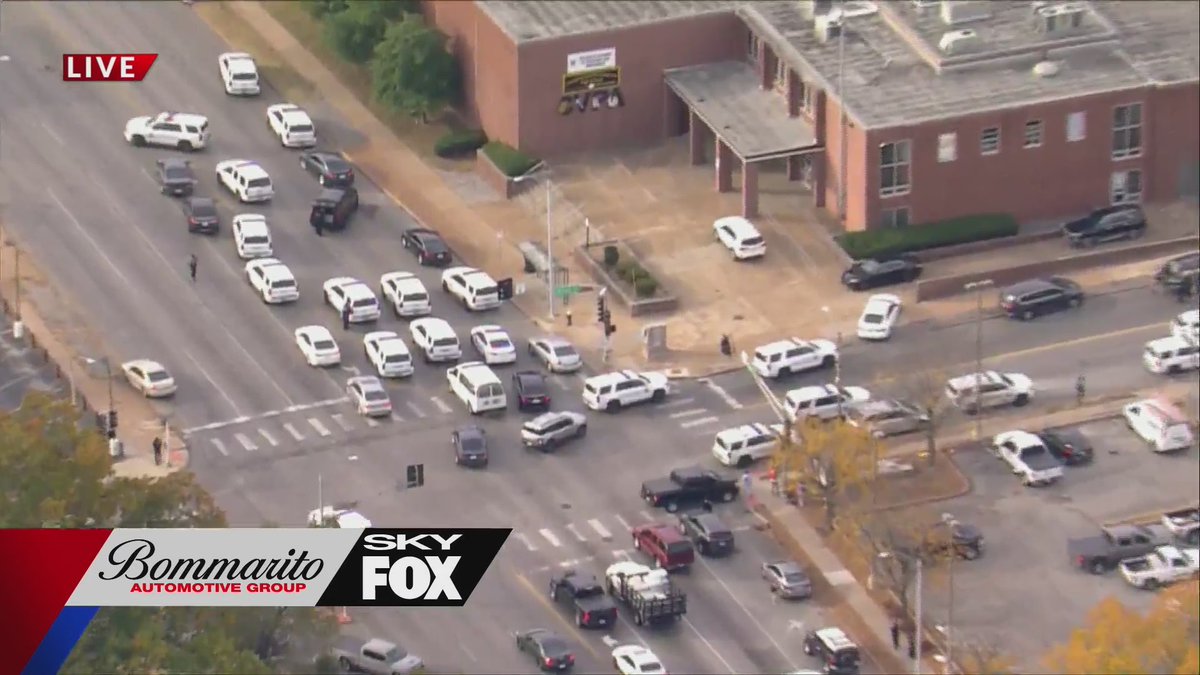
(273, 438)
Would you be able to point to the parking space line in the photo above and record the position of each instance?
(267, 435)
(695, 423)
(550, 537)
(246, 442)
(397, 418)
(321, 428)
(292, 430)
(688, 413)
(372, 422)
(600, 529)
(575, 531)
(413, 407)
(440, 405)
(677, 403)
(219, 446)
(524, 540)
(341, 422)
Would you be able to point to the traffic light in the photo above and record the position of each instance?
(112, 420)
(415, 475)
(601, 310)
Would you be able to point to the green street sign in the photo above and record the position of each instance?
(567, 291)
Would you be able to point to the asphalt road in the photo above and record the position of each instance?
(1024, 593)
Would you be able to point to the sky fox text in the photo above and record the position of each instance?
(134, 560)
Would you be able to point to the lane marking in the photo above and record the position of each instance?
(413, 407)
(341, 422)
(215, 385)
(246, 442)
(575, 531)
(54, 134)
(687, 622)
(267, 435)
(266, 415)
(292, 430)
(647, 516)
(397, 418)
(550, 537)
(621, 554)
(544, 601)
(316, 404)
(371, 421)
(786, 658)
(441, 405)
(600, 529)
(695, 423)
(687, 413)
(524, 540)
(624, 523)
(677, 403)
(219, 446)
(316, 424)
(725, 396)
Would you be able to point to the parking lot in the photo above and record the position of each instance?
(1023, 593)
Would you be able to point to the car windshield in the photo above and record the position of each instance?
(873, 318)
(158, 375)
(257, 239)
(245, 77)
(445, 342)
(677, 547)
(760, 356)
(565, 350)
(204, 209)
(283, 283)
(868, 266)
(364, 302)
(793, 577)
(487, 290)
(1006, 380)
(375, 395)
(324, 344)
(408, 297)
(259, 182)
(178, 173)
(532, 385)
(432, 244)
(471, 444)
(752, 241)
(301, 128)
(336, 165)
(499, 343)
(397, 358)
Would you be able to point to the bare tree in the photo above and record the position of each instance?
(828, 461)
(895, 542)
(924, 388)
(975, 657)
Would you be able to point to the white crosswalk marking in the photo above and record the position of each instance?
(688, 413)
(624, 523)
(246, 442)
(396, 418)
(413, 407)
(293, 431)
(341, 422)
(524, 540)
(321, 428)
(647, 516)
(573, 530)
(219, 446)
(677, 403)
(600, 529)
(440, 405)
(372, 422)
(267, 435)
(695, 423)
(550, 537)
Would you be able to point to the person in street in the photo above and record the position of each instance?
(346, 316)
(158, 450)
(895, 635)
(317, 220)
(1080, 389)
(193, 263)
(707, 505)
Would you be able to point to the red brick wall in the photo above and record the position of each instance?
(856, 177)
(1173, 115)
(643, 53)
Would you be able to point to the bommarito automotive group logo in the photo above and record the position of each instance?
(289, 567)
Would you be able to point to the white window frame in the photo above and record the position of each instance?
(889, 219)
(1123, 136)
(781, 74)
(1118, 187)
(947, 148)
(1034, 132)
(752, 46)
(989, 141)
(1076, 126)
(897, 187)
(808, 99)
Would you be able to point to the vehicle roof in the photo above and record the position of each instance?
(332, 194)
(1022, 439)
(740, 226)
(667, 533)
(1069, 434)
(196, 200)
(316, 331)
(1030, 286)
(470, 431)
(252, 223)
(782, 345)
(240, 62)
(433, 324)
(382, 336)
(710, 522)
(881, 301)
(401, 279)
(174, 163)
(610, 377)
(366, 382)
(547, 418)
(477, 369)
(530, 376)
(835, 638)
(180, 117)
(250, 169)
(553, 340)
(1168, 343)
(1190, 316)
(968, 380)
(277, 270)
(144, 364)
(294, 114)
(811, 391)
(788, 567)
(745, 431)
(489, 328)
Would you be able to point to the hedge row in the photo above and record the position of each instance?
(509, 160)
(459, 143)
(644, 284)
(885, 242)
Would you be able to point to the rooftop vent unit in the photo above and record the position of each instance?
(958, 42)
(811, 9)
(829, 26)
(1062, 17)
(955, 12)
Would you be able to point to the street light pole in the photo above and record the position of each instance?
(549, 253)
(917, 629)
(978, 287)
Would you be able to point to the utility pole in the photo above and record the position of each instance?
(978, 287)
(917, 629)
(549, 252)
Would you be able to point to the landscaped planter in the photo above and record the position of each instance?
(624, 281)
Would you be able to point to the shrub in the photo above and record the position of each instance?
(321, 9)
(611, 256)
(459, 143)
(877, 243)
(509, 160)
(354, 32)
(645, 286)
(628, 270)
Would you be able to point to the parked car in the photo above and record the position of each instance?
(1164, 565)
(1111, 223)
(1182, 270)
(887, 417)
(1030, 299)
(875, 272)
(1183, 524)
(1101, 552)
(1069, 445)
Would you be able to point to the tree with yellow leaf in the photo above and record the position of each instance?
(1118, 640)
(829, 460)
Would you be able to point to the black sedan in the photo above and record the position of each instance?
(873, 273)
(1069, 445)
(549, 651)
(175, 177)
(530, 388)
(201, 214)
(329, 168)
(470, 446)
(427, 245)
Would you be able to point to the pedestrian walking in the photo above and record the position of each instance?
(346, 316)
(193, 262)
(747, 482)
(895, 635)
(1080, 389)
(570, 320)
(317, 220)
(158, 450)
(726, 346)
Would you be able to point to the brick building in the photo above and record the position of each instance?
(896, 112)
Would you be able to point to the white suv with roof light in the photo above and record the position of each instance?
(793, 356)
(612, 391)
(251, 236)
(1187, 326)
(435, 338)
(1171, 355)
(995, 389)
(824, 401)
(273, 280)
(343, 291)
(247, 180)
(740, 236)
(185, 131)
(239, 73)
(741, 446)
(407, 294)
(388, 353)
(292, 125)
(475, 289)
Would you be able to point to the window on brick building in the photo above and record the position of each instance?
(808, 99)
(1033, 134)
(752, 47)
(781, 72)
(897, 217)
(1127, 131)
(989, 141)
(947, 147)
(1076, 127)
(895, 176)
(1125, 187)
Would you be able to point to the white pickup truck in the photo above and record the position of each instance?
(1162, 566)
(374, 656)
(1184, 524)
(1028, 457)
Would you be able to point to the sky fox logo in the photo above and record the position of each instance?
(413, 568)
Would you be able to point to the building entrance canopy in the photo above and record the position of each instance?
(753, 122)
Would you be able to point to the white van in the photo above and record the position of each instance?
(1171, 355)
(477, 386)
(1160, 424)
(741, 446)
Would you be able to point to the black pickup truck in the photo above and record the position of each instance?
(689, 485)
(1102, 552)
(584, 594)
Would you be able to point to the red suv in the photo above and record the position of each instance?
(670, 549)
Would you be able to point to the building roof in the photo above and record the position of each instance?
(895, 71)
(528, 20)
(727, 96)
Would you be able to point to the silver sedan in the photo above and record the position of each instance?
(787, 579)
(556, 353)
(551, 429)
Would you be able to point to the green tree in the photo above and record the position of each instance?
(53, 473)
(322, 9)
(355, 31)
(412, 71)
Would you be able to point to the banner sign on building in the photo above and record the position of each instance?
(596, 59)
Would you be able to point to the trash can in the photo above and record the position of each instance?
(18, 330)
(116, 448)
